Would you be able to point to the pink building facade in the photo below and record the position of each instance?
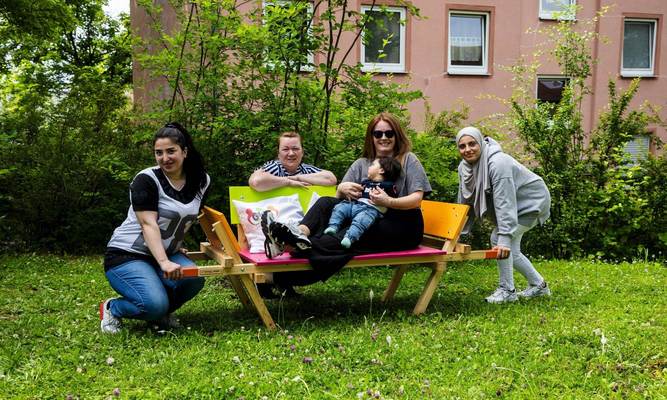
(455, 53)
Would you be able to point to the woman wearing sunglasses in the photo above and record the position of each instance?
(401, 228)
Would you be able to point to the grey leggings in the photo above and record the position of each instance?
(516, 260)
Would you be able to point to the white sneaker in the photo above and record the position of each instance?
(502, 295)
(535, 291)
(108, 323)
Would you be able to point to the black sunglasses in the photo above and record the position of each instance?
(389, 134)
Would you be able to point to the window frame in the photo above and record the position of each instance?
(641, 72)
(485, 68)
(636, 158)
(550, 15)
(310, 58)
(553, 77)
(401, 66)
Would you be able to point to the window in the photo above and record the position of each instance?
(639, 37)
(550, 88)
(291, 34)
(638, 148)
(468, 43)
(557, 9)
(383, 40)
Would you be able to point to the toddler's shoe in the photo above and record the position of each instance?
(330, 230)
(346, 242)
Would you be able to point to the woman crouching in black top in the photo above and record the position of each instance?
(144, 257)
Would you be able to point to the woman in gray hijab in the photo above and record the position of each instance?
(511, 196)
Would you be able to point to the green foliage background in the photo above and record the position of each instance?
(71, 139)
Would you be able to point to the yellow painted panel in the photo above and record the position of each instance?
(444, 220)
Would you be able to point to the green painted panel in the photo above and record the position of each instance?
(245, 193)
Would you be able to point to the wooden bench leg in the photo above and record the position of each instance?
(395, 281)
(257, 302)
(431, 284)
(240, 291)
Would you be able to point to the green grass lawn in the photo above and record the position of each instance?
(603, 334)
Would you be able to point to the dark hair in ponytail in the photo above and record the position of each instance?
(193, 165)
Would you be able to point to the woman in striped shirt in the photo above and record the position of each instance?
(288, 170)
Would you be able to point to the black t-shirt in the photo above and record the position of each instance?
(145, 196)
(144, 192)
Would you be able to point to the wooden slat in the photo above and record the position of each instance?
(228, 240)
(197, 255)
(206, 220)
(473, 255)
(395, 281)
(225, 238)
(240, 291)
(429, 288)
(258, 302)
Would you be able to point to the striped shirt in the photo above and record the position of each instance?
(275, 167)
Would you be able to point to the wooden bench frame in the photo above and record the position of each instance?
(443, 223)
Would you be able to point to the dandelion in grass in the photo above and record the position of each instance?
(603, 341)
(603, 338)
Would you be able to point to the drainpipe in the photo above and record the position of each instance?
(594, 74)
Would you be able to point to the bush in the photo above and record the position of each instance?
(67, 142)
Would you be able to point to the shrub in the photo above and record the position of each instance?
(602, 205)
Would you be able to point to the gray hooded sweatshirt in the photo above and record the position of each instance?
(518, 195)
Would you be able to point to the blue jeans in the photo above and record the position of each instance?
(362, 216)
(146, 294)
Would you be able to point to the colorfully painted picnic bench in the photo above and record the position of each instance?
(443, 223)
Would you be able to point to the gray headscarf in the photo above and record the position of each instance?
(474, 179)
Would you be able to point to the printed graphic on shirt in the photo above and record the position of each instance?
(369, 185)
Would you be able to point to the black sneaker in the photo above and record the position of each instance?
(272, 247)
(289, 233)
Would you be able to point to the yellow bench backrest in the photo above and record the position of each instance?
(445, 220)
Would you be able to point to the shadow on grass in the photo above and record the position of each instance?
(330, 306)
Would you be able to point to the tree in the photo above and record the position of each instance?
(66, 138)
(238, 74)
